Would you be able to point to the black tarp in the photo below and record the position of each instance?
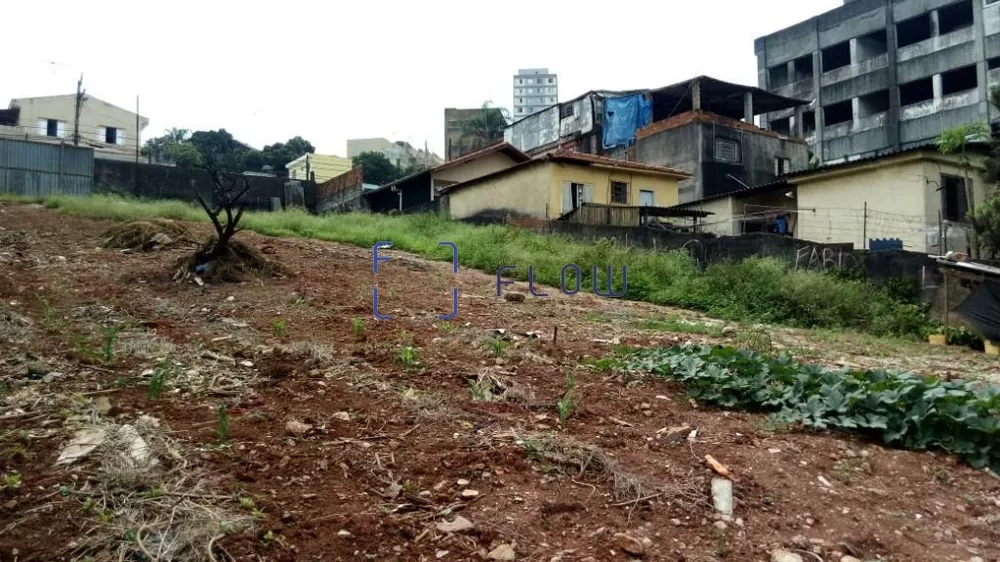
(982, 310)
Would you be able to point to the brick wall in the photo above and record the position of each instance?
(342, 193)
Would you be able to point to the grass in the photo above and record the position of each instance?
(754, 290)
(672, 324)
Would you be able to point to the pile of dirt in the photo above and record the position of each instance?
(145, 236)
(238, 262)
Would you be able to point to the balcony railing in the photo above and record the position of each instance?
(934, 44)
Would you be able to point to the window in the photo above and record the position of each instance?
(837, 56)
(565, 111)
(913, 30)
(808, 122)
(954, 204)
(959, 80)
(550, 80)
(872, 45)
(836, 113)
(873, 103)
(916, 91)
(111, 135)
(777, 76)
(520, 100)
(519, 81)
(782, 166)
(52, 127)
(727, 150)
(519, 109)
(954, 17)
(781, 126)
(803, 67)
(619, 192)
(647, 198)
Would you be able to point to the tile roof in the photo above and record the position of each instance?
(707, 117)
(501, 146)
(573, 156)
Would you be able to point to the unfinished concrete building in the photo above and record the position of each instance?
(883, 75)
(703, 126)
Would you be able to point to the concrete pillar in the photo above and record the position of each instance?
(938, 88)
(696, 95)
(856, 110)
(935, 24)
(791, 72)
(748, 107)
(854, 50)
(799, 129)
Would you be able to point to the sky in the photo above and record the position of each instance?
(338, 69)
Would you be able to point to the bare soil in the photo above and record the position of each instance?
(388, 435)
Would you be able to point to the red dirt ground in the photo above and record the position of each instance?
(378, 421)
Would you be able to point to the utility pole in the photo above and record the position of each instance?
(136, 129)
(76, 120)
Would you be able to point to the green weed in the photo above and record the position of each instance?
(447, 327)
(408, 356)
(222, 427)
(109, 336)
(280, 327)
(10, 481)
(498, 346)
(357, 326)
(157, 382)
(566, 404)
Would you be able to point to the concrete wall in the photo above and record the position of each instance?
(721, 221)
(547, 127)
(523, 193)
(169, 182)
(676, 148)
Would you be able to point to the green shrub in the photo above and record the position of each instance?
(904, 409)
(757, 290)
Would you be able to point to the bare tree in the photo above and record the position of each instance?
(228, 188)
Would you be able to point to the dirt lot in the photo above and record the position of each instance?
(343, 445)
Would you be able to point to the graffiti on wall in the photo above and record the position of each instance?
(818, 258)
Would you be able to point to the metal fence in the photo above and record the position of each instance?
(36, 169)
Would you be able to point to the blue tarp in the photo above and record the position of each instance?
(623, 117)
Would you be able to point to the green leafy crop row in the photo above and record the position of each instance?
(906, 410)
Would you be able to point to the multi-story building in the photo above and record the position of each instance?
(883, 75)
(110, 130)
(401, 153)
(534, 90)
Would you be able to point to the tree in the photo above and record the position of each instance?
(377, 168)
(487, 127)
(173, 145)
(956, 140)
(985, 220)
(222, 151)
(228, 188)
(281, 153)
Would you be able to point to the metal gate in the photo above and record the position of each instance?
(37, 169)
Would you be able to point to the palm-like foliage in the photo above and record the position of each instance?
(487, 127)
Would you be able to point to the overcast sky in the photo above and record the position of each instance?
(339, 69)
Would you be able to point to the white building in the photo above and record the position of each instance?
(534, 90)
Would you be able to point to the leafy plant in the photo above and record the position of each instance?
(477, 390)
(222, 428)
(50, 319)
(447, 327)
(357, 326)
(904, 409)
(157, 382)
(10, 481)
(109, 335)
(498, 347)
(280, 327)
(567, 403)
(408, 356)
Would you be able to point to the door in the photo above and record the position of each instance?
(646, 198)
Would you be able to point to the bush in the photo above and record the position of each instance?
(904, 409)
(757, 289)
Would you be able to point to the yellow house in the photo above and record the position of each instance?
(321, 167)
(915, 195)
(555, 184)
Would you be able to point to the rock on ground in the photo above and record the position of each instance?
(502, 552)
(629, 544)
(785, 556)
(459, 525)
